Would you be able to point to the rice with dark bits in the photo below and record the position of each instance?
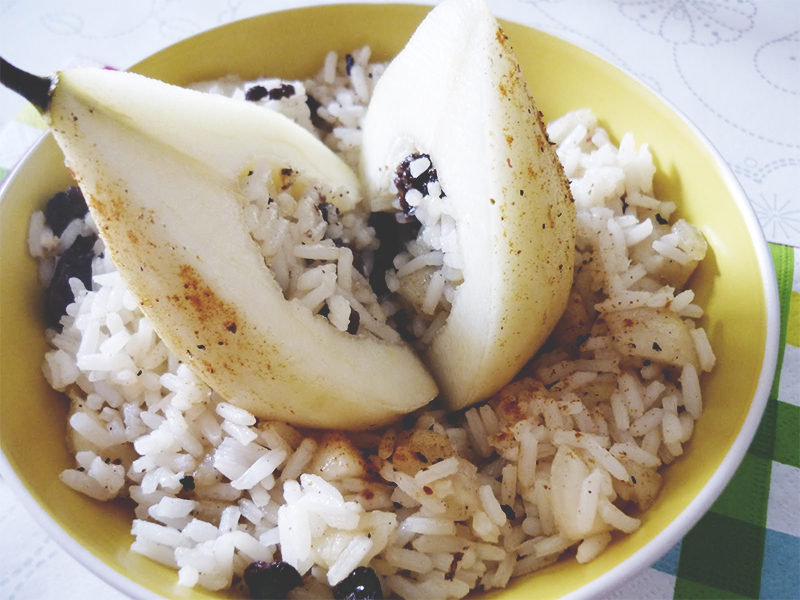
(562, 458)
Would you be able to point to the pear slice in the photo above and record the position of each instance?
(159, 166)
(457, 94)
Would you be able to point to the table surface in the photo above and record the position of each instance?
(733, 68)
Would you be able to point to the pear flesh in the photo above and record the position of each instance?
(456, 93)
(160, 167)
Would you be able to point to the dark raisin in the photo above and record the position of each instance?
(314, 106)
(271, 580)
(330, 214)
(403, 323)
(661, 219)
(259, 92)
(187, 483)
(284, 90)
(404, 181)
(388, 233)
(392, 236)
(409, 421)
(361, 584)
(582, 338)
(63, 208)
(256, 93)
(451, 571)
(355, 321)
(360, 265)
(349, 62)
(75, 262)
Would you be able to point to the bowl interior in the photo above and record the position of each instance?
(730, 283)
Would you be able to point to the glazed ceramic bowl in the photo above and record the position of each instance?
(735, 284)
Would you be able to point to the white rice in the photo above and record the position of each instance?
(438, 504)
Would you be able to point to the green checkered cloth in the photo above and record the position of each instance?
(748, 544)
(739, 549)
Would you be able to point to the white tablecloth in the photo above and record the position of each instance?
(732, 67)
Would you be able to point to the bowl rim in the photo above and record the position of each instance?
(662, 542)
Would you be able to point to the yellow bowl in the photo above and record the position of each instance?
(735, 283)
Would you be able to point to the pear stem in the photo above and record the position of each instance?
(35, 89)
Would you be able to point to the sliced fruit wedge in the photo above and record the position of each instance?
(456, 94)
(159, 166)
